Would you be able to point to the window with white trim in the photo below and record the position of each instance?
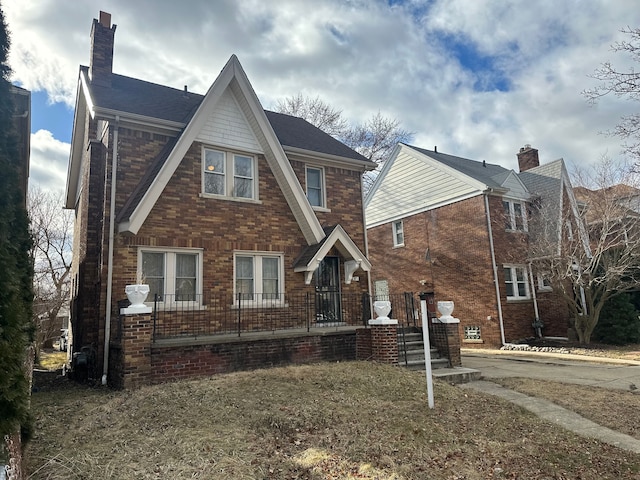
(258, 277)
(398, 233)
(173, 275)
(229, 174)
(315, 186)
(515, 278)
(544, 284)
(515, 215)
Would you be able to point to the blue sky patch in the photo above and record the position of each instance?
(57, 117)
(488, 77)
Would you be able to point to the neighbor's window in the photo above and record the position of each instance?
(515, 278)
(398, 233)
(258, 277)
(472, 332)
(229, 174)
(315, 186)
(515, 215)
(174, 276)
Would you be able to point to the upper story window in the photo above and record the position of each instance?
(515, 278)
(173, 275)
(515, 215)
(229, 174)
(315, 187)
(258, 277)
(398, 233)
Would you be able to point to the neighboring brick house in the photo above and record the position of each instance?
(461, 229)
(218, 205)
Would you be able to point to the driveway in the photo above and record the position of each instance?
(559, 368)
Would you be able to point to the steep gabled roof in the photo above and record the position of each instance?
(335, 236)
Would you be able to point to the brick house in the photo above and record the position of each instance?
(236, 217)
(462, 229)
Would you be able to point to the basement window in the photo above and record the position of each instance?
(472, 332)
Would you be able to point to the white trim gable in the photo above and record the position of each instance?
(517, 189)
(347, 248)
(412, 182)
(233, 78)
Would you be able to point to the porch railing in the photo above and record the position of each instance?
(221, 314)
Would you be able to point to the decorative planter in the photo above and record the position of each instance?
(382, 308)
(137, 294)
(446, 308)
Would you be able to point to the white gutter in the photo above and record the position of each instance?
(533, 293)
(112, 221)
(495, 268)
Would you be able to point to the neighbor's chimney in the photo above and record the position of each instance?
(101, 62)
(528, 158)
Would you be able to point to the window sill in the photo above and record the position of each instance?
(511, 230)
(231, 199)
(321, 209)
(400, 245)
(472, 340)
(518, 300)
(257, 305)
(545, 289)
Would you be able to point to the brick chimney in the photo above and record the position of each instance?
(101, 62)
(528, 158)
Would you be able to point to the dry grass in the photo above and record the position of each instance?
(51, 360)
(616, 409)
(354, 420)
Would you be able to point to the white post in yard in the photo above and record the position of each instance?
(427, 348)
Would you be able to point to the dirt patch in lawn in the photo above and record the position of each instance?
(353, 420)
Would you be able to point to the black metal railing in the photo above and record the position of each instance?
(220, 314)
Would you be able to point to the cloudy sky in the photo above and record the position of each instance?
(477, 78)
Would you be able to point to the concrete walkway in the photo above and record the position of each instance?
(603, 374)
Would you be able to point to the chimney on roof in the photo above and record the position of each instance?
(101, 61)
(528, 158)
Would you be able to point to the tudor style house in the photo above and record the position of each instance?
(238, 219)
(465, 230)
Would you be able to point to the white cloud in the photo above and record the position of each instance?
(363, 57)
(49, 159)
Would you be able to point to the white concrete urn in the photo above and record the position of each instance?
(445, 307)
(382, 309)
(137, 294)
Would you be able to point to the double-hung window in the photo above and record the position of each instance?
(174, 275)
(258, 277)
(516, 284)
(398, 233)
(229, 174)
(515, 215)
(315, 187)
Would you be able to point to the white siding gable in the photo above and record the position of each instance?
(517, 190)
(227, 126)
(415, 183)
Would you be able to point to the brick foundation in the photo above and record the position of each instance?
(384, 341)
(446, 338)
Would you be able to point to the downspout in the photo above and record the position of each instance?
(495, 268)
(112, 223)
(366, 246)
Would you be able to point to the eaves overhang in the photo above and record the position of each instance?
(364, 165)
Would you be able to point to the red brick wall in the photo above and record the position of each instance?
(460, 269)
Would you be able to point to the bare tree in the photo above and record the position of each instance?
(373, 139)
(597, 257)
(622, 84)
(52, 235)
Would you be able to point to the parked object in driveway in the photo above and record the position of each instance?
(64, 339)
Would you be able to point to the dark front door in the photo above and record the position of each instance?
(328, 291)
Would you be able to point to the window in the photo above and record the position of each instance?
(228, 174)
(381, 290)
(516, 283)
(515, 215)
(258, 277)
(315, 186)
(544, 284)
(175, 276)
(398, 234)
(472, 332)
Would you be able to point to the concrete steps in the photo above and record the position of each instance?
(413, 356)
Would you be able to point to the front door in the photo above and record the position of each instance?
(328, 291)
